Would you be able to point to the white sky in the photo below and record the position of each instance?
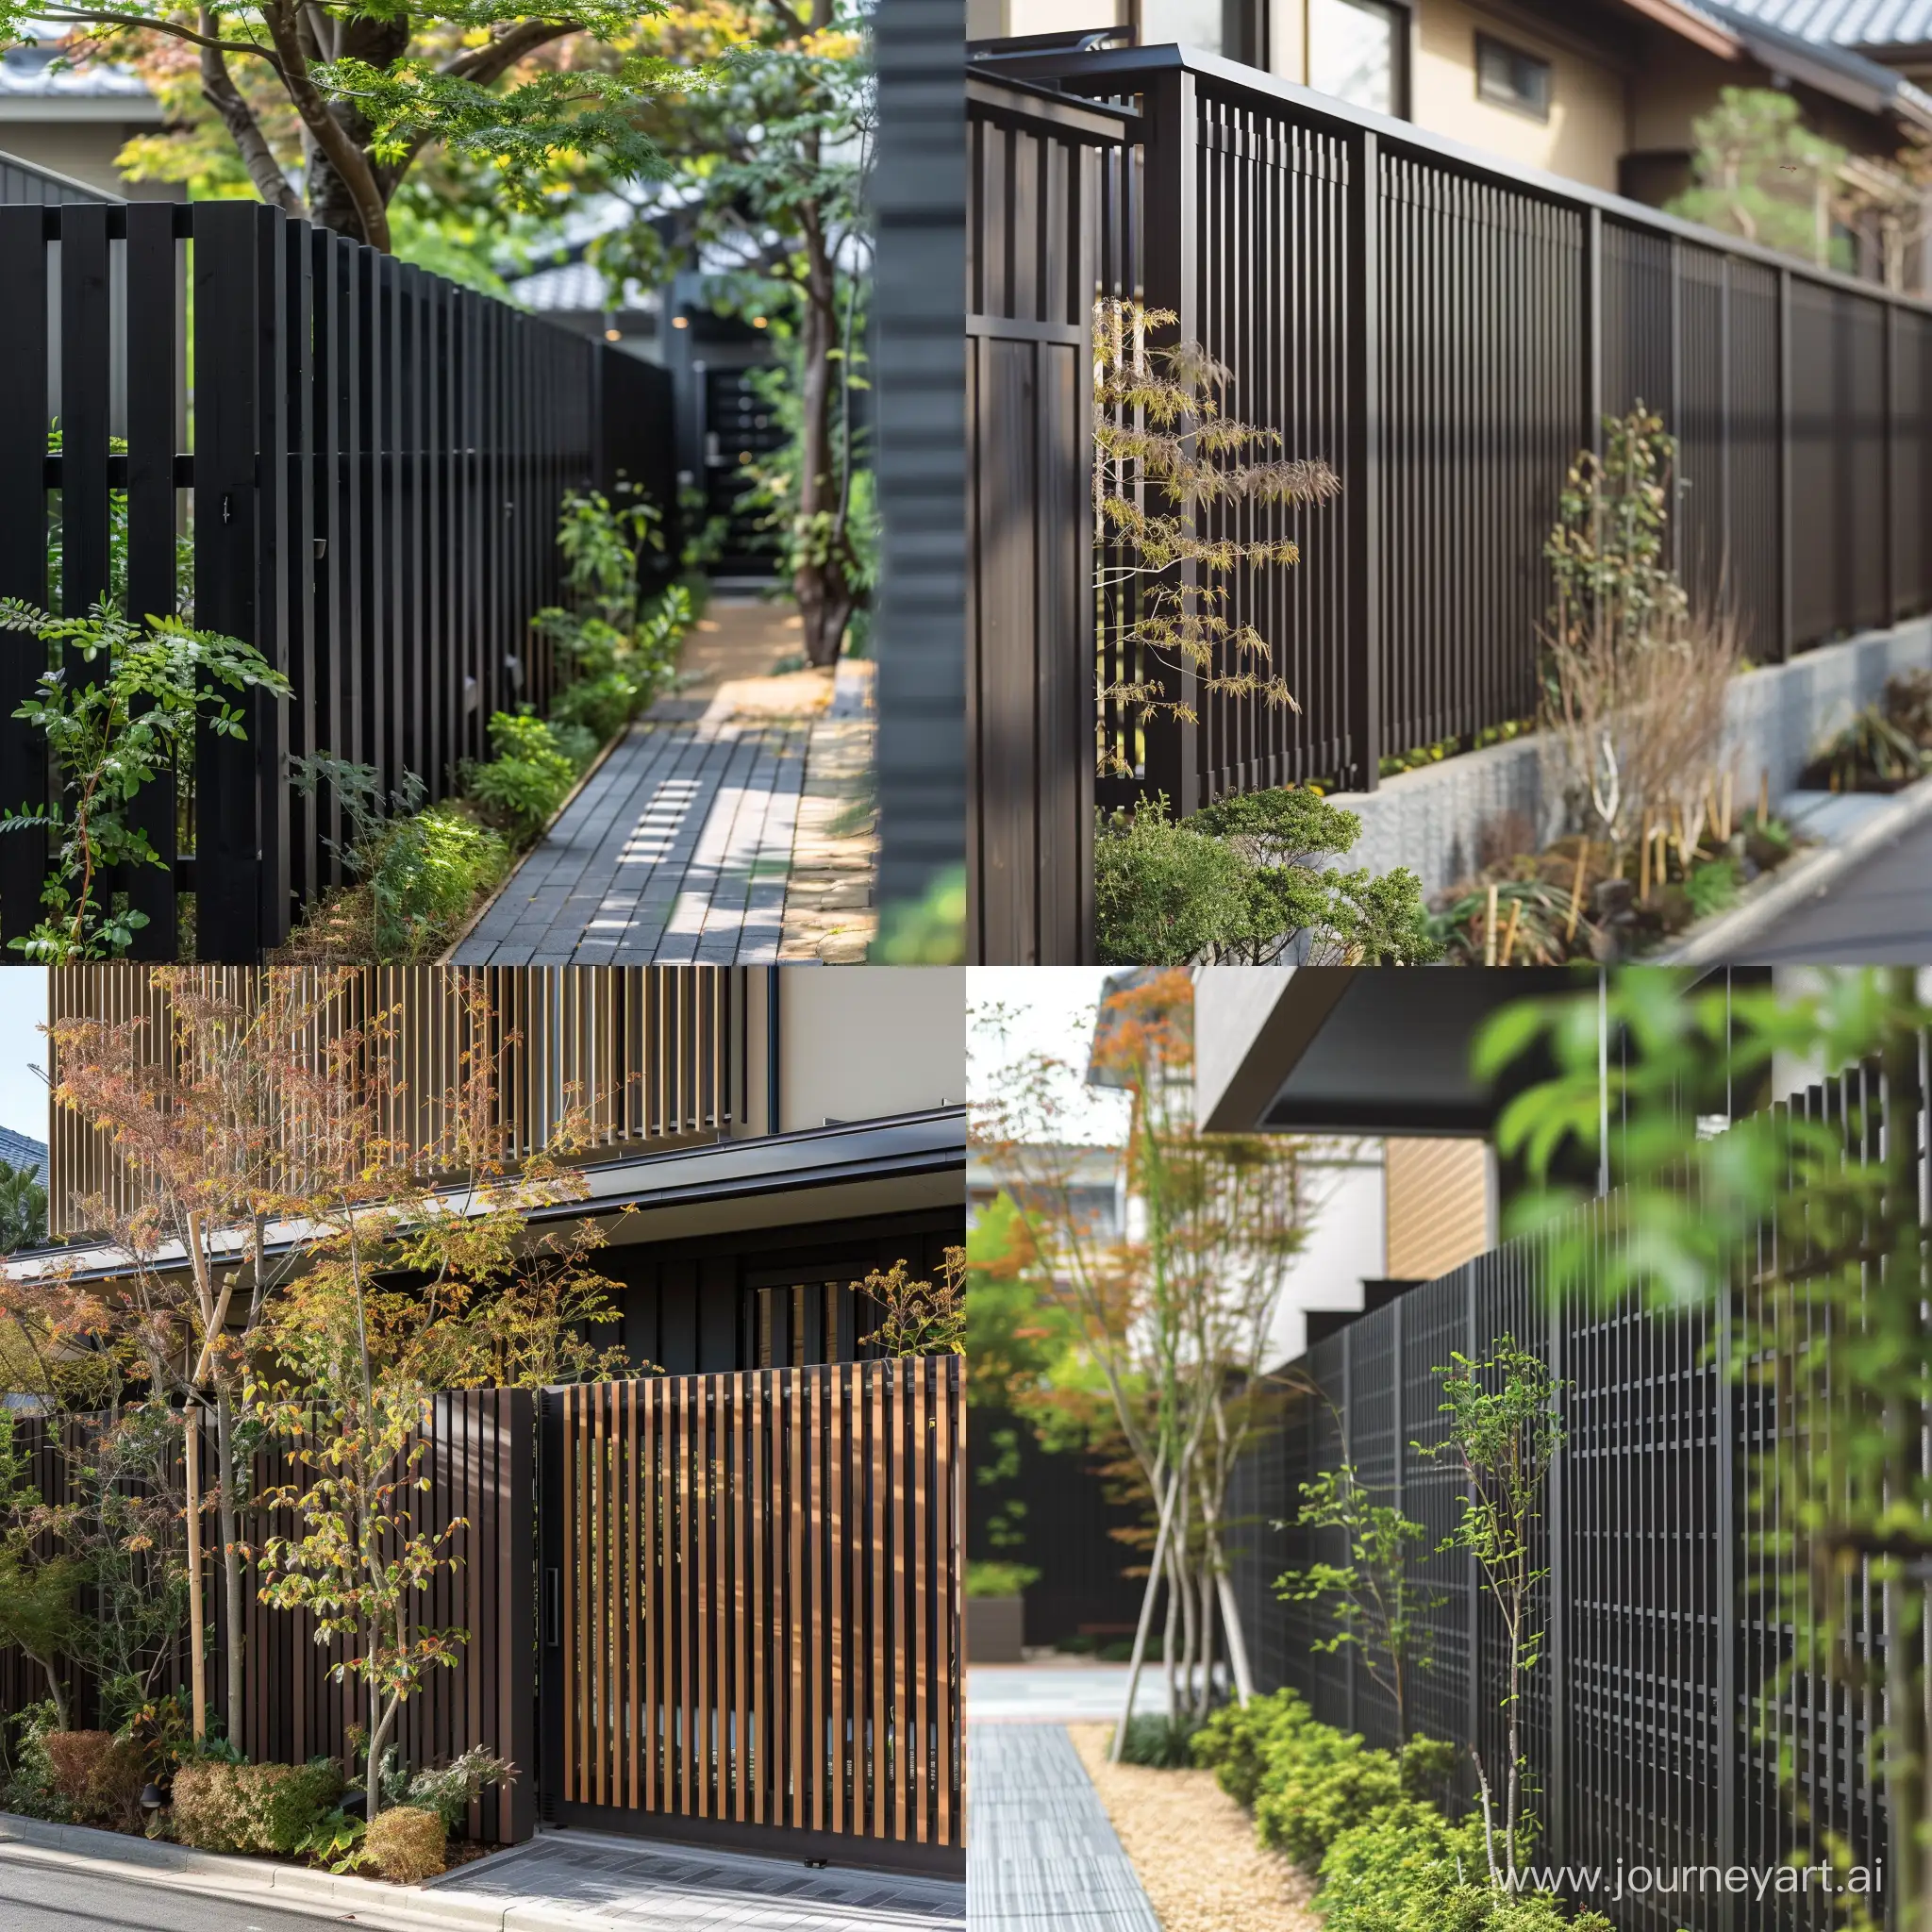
(1050, 1009)
(23, 1048)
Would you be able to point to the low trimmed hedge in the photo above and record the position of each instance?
(405, 1844)
(253, 1807)
(1363, 1821)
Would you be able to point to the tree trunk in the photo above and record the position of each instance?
(820, 583)
(330, 204)
(57, 1690)
(1237, 1644)
(1146, 1621)
(231, 1558)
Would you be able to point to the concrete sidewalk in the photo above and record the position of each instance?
(1060, 1693)
(559, 1880)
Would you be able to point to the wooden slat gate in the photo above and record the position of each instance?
(751, 1592)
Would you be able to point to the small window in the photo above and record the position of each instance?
(1356, 52)
(1511, 78)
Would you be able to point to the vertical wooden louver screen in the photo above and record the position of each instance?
(655, 1055)
(761, 1598)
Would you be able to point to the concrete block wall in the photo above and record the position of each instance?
(1447, 821)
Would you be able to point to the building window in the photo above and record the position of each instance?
(1359, 51)
(1507, 77)
(1229, 27)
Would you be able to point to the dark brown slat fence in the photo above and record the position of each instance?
(1044, 203)
(480, 1465)
(1648, 1724)
(1446, 333)
(366, 461)
(752, 1605)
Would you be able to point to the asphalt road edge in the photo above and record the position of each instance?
(152, 1861)
(1720, 939)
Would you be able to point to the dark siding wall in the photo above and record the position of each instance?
(708, 1307)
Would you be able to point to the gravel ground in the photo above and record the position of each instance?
(1193, 1848)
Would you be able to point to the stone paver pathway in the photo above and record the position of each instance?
(675, 851)
(736, 828)
(613, 1881)
(1040, 1854)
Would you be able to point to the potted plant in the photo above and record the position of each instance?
(996, 1612)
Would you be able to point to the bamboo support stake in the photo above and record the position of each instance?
(1576, 890)
(1509, 935)
(1763, 795)
(1643, 869)
(1490, 931)
(1730, 798)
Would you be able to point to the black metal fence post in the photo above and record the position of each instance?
(1171, 280)
(154, 370)
(1785, 565)
(268, 718)
(23, 415)
(228, 590)
(1362, 485)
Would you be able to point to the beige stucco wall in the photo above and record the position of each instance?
(858, 1042)
(996, 20)
(83, 150)
(1586, 131)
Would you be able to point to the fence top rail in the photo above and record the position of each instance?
(1115, 71)
(997, 96)
(188, 214)
(901, 1368)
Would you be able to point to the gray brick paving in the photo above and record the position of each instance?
(677, 851)
(1039, 1850)
(677, 1888)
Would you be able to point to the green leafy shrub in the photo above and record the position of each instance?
(1323, 1783)
(405, 1844)
(1239, 1742)
(989, 1577)
(450, 1790)
(618, 656)
(1239, 881)
(528, 778)
(1166, 1743)
(279, 1805)
(1409, 1869)
(930, 931)
(418, 872)
(97, 1775)
(126, 725)
(335, 1840)
(27, 1784)
(1712, 886)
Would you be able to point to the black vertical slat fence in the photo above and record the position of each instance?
(1653, 1725)
(1447, 333)
(363, 464)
